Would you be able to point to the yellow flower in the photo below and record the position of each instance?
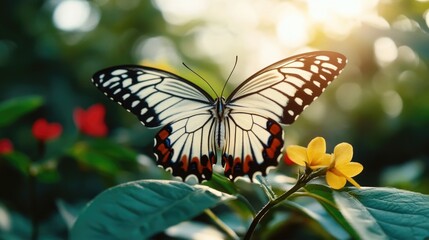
(342, 169)
(314, 156)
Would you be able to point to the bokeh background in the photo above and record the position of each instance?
(379, 104)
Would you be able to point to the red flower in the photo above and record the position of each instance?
(5, 146)
(43, 131)
(287, 160)
(91, 122)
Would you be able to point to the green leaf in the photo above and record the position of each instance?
(18, 160)
(385, 213)
(318, 214)
(326, 199)
(15, 108)
(137, 210)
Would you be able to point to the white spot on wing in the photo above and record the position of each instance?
(110, 81)
(149, 119)
(127, 82)
(298, 101)
(135, 103)
(119, 72)
(314, 68)
(317, 83)
(329, 65)
(323, 58)
(143, 111)
(127, 95)
(308, 91)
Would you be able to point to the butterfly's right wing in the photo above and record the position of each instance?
(155, 96)
(158, 98)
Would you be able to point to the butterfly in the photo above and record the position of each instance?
(243, 130)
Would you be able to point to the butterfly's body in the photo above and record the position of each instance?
(244, 128)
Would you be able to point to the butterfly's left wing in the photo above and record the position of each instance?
(253, 145)
(284, 89)
(275, 94)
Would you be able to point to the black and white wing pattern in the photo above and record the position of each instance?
(245, 127)
(184, 145)
(273, 95)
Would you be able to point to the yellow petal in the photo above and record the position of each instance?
(316, 149)
(352, 181)
(335, 181)
(324, 161)
(297, 154)
(343, 153)
(350, 169)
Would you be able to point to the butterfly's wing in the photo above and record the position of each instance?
(158, 98)
(253, 144)
(275, 94)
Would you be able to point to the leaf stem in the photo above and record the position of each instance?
(267, 189)
(231, 234)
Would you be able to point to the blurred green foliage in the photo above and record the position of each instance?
(379, 105)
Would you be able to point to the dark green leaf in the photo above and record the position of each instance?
(328, 202)
(18, 160)
(321, 216)
(137, 210)
(385, 213)
(15, 108)
(97, 161)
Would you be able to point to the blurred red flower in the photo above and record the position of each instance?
(91, 122)
(287, 160)
(43, 131)
(5, 146)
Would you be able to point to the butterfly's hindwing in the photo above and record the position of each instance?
(156, 97)
(186, 147)
(282, 90)
(253, 144)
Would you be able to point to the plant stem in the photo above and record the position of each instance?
(34, 212)
(231, 234)
(302, 181)
(41, 145)
(267, 189)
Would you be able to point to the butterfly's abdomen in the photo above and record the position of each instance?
(220, 135)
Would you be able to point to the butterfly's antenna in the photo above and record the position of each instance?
(201, 78)
(235, 64)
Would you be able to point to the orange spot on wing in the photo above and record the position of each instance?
(246, 163)
(163, 134)
(184, 161)
(271, 151)
(275, 129)
(162, 149)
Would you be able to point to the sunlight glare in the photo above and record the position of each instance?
(156, 49)
(75, 15)
(392, 103)
(181, 12)
(426, 17)
(5, 221)
(385, 50)
(292, 29)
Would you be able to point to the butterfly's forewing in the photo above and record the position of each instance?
(155, 96)
(275, 94)
(282, 90)
(185, 144)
